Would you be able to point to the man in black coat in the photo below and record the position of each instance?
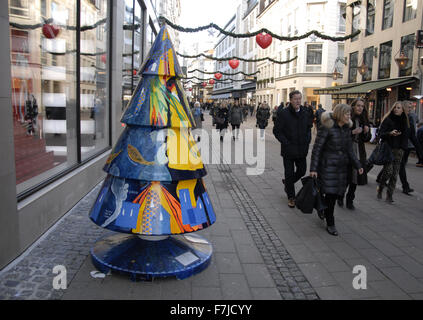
(293, 130)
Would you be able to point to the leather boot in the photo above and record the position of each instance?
(389, 198)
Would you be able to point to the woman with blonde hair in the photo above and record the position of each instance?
(393, 130)
(331, 155)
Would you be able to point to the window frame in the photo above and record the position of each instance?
(380, 60)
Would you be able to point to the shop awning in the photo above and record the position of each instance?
(333, 89)
(221, 96)
(367, 87)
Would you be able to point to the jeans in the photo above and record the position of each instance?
(292, 175)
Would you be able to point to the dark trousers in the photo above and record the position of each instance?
(292, 175)
(330, 200)
(402, 172)
(350, 196)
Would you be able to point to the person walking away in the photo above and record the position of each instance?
(251, 109)
(412, 143)
(332, 152)
(222, 118)
(310, 112)
(274, 114)
(197, 113)
(235, 119)
(262, 116)
(420, 133)
(318, 114)
(360, 134)
(393, 131)
(293, 131)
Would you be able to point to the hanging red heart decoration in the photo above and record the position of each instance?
(218, 75)
(204, 84)
(103, 58)
(211, 81)
(134, 72)
(264, 40)
(234, 63)
(50, 31)
(190, 89)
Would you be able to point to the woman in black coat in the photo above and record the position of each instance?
(360, 134)
(332, 153)
(394, 131)
(222, 118)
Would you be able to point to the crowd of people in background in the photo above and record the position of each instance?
(338, 159)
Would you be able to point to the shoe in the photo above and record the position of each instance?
(379, 190)
(233, 138)
(221, 138)
(198, 139)
(340, 202)
(419, 164)
(332, 230)
(321, 214)
(350, 205)
(389, 198)
(291, 203)
(407, 191)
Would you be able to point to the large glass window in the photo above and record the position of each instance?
(94, 102)
(370, 19)
(44, 60)
(410, 10)
(388, 14)
(352, 71)
(385, 60)
(314, 57)
(407, 46)
(342, 16)
(368, 61)
(355, 21)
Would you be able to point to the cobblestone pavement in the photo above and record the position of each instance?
(262, 248)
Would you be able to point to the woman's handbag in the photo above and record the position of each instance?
(309, 197)
(381, 155)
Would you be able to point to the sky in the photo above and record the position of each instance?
(195, 13)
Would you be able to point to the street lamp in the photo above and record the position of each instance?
(362, 69)
(402, 60)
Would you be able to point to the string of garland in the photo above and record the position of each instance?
(74, 51)
(50, 20)
(224, 73)
(162, 19)
(194, 77)
(237, 58)
(228, 81)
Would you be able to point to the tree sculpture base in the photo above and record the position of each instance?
(149, 257)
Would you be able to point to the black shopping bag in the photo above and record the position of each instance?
(381, 155)
(310, 197)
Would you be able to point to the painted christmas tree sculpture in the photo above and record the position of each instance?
(154, 189)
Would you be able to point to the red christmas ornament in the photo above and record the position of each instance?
(50, 31)
(218, 75)
(264, 40)
(103, 58)
(204, 84)
(211, 81)
(190, 89)
(134, 72)
(234, 63)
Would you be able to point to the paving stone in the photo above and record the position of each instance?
(332, 293)
(403, 279)
(316, 274)
(265, 294)
(234, 287)
(257, 275)
(388, 290)
(228, 263)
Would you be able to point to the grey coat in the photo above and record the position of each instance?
(197, 112)
(235, 115)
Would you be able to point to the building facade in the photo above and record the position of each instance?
(69, 68)
(314, 64)
(388, 28)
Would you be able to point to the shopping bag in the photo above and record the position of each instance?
(381, 155)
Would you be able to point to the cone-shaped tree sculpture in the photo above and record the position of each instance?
(154, 188)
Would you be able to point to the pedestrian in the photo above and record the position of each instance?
(222, 118)
(420, 137)
(293, 131)
(251, 109)
(412, 144)
(393, 131)
(235, 119)
(262, 116)
(274, 113)
(310, 112)
(318, 114)
(197, 113)
(213, 111)
(360, 134)
(332, 152)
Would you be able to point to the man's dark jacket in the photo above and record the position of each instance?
(292, 129)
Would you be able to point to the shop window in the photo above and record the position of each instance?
(44, 87)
